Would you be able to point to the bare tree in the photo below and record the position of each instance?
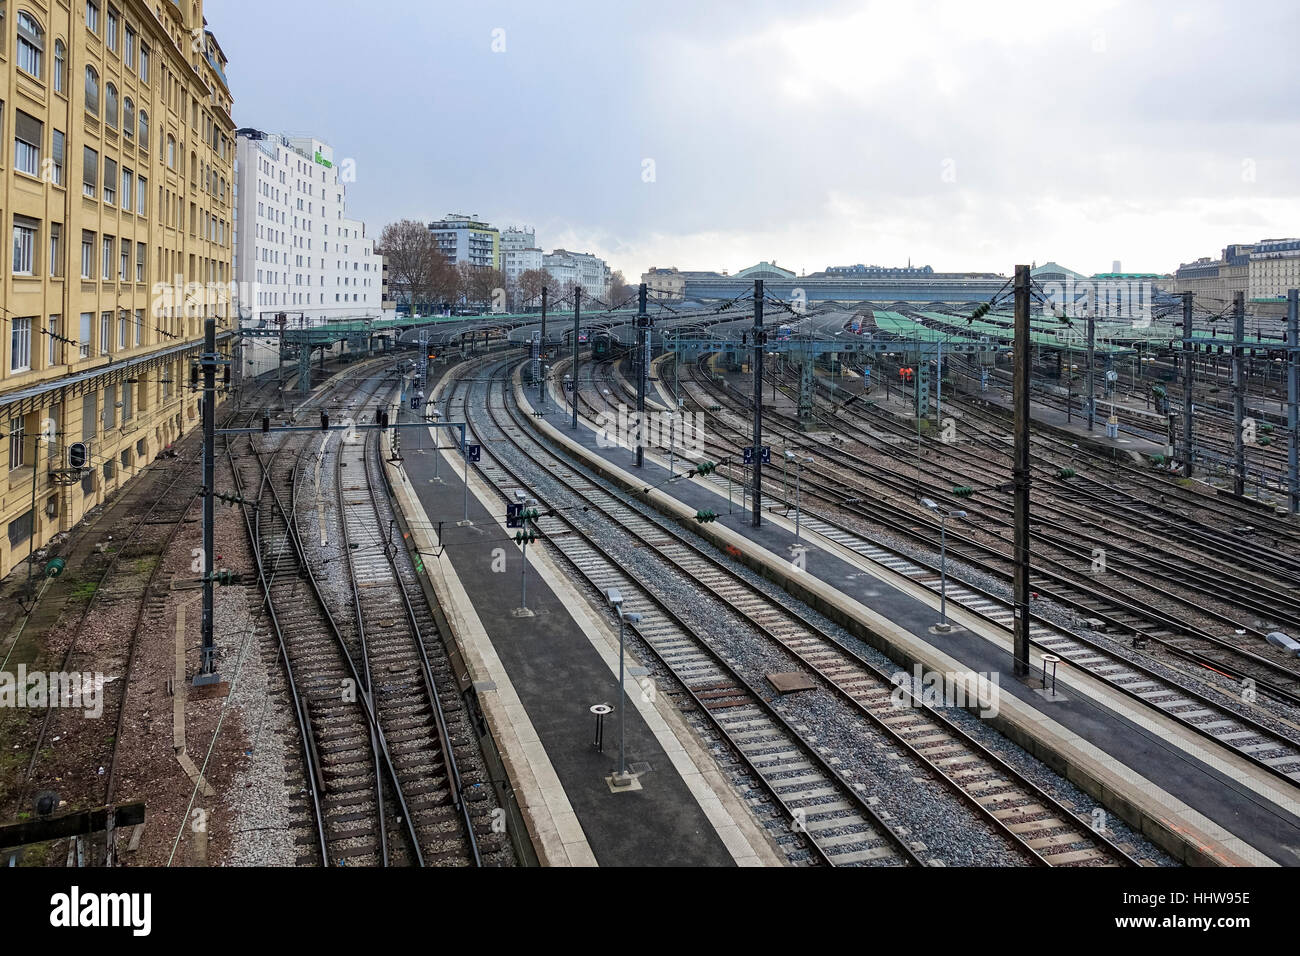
(414, 262)
(530, 283)
(619, 290)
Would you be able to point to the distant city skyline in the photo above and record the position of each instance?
(963, 137)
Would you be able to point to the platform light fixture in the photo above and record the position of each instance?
(944, 514)
(615, 598)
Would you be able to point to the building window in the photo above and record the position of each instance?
(27, 144)
(139, 277)
(105, 341)
(124, 261)
(20, 345)
(83, 342)
(110, 35)
(144, 63)
(130, 48)
(144, 130)
(60, 65)
(110, 180)
(16, 456)
(56, 249)
(106, 260)
(87, 255)
(110, 105)
(142, 196)
(171, 151)
(92, 91)
(89, 173)
(31, 45)
(24, 246)
(92, 16)
(123, 321)
(139, 315)
(57, 141)
(128, 189)
(20, 529)
(54, 341)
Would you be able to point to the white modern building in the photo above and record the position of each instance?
(578, 268)
(519, 252)
(296, 252)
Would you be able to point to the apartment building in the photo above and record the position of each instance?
(1274, 269)
(569, 269)
(116, 170)
(466, 239)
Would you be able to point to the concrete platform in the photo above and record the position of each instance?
(1194, 798)
(536, 678)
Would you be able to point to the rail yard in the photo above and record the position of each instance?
(429, 584)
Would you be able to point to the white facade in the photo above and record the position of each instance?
(1274, 269)
(580, 268)
(519, 253)
(295, 249)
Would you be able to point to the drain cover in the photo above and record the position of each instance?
(791, 682)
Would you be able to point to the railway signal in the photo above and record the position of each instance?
(519, 515)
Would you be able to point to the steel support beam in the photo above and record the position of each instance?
(1238, 393)
(577, 324)
(1020, 473)
(759, 337)
(1293, 395)
(1189, 357)
(642, 363)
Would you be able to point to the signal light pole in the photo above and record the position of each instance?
(1238, 393)
(643, 371)
(541, 358)
(577, 321)
(1187, 384)
(1020, 473)
(1293, 395)
(207, 673)
(757, 502)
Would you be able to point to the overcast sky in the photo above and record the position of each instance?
(967, 135)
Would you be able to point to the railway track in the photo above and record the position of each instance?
(838, 823)
(1043, 830)
(425, 725)
(1211, 718)
(1061, 576)
(376, 778)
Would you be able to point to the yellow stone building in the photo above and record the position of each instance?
(117, 172)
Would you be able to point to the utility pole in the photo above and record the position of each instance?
(208, 660)
(643, 371)
(1238, 393)
(1020, 473)
(541, 379)
(1293, 394)
(757, 502)
(577, 321)
(1092, 355)
(1187, 384)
